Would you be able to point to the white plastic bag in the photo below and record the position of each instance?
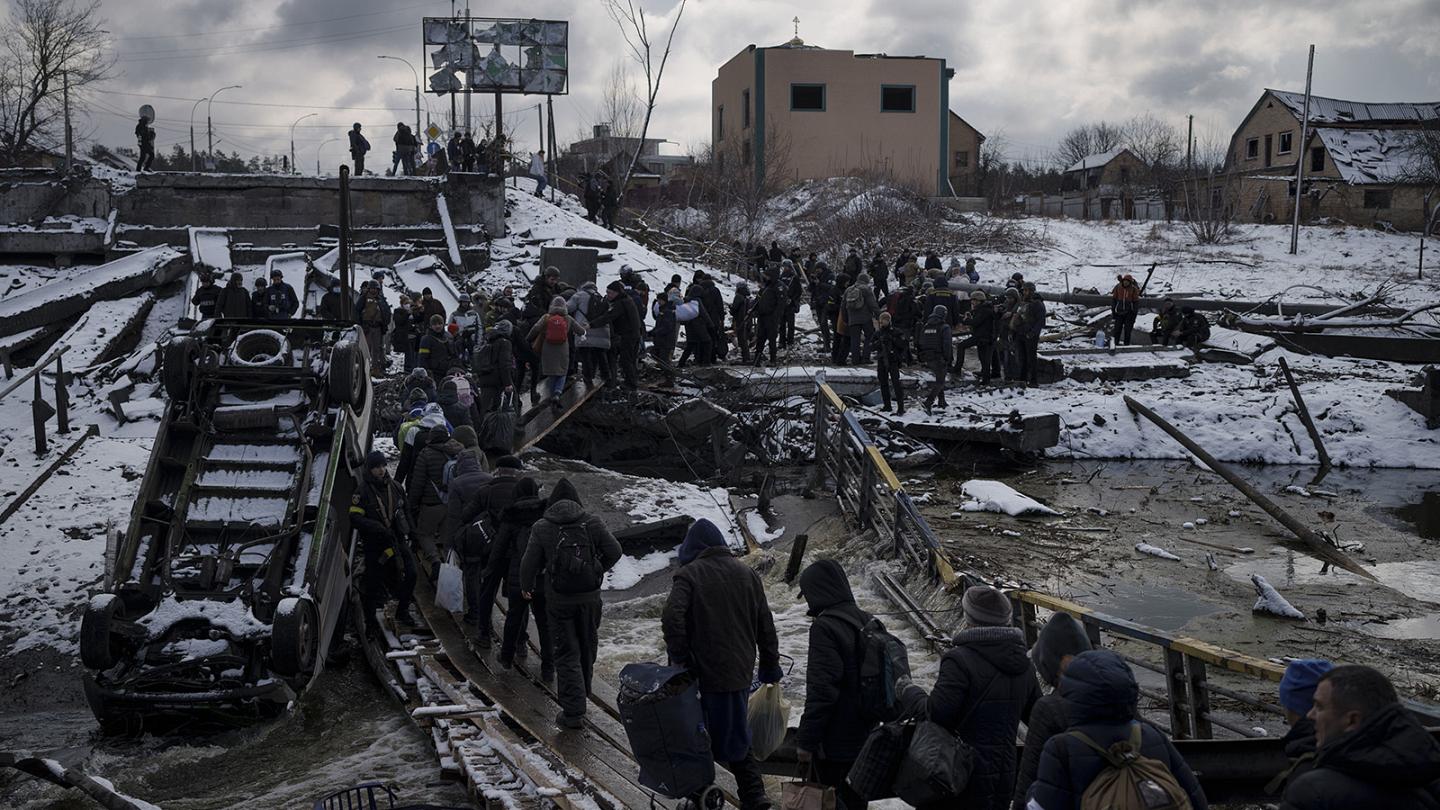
(688, 311)
(450, 586)
(768, 716)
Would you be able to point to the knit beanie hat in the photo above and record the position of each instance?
(557, 306)
(1297, 688)
(465, 434)
(986, 607)
(509, 463)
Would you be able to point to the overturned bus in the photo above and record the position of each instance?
(230, 581)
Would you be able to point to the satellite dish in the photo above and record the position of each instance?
(147, 112)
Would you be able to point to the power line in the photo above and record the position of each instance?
(276, 27)
(266, 104)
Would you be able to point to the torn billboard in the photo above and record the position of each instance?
(492, 55)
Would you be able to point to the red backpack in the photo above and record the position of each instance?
(557, 329)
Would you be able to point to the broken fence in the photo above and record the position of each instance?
(869, 490)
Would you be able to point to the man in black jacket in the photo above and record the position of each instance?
(494, 364)
(986, 686)
(832, 730)
(485, 507)
(1372, 752)
(889, 354)
(377, 511)
(716, 622)
(768, 306)
(233, 300)
(358, 147)
(280, 299)
(574, 550)
(624, 322)
(935, 349)
(740, 319)
(981, 319)
(205, 295)
(822, 290)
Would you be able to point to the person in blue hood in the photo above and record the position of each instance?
(1100, 692)
(716, 623)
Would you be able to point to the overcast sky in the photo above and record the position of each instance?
(1026, 69)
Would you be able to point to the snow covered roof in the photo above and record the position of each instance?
(1338, 111)
(1096, 161)
(1369, 155)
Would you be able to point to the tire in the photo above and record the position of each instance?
(98, 646)
(711, 798)
(260, 347)
(181, 355)
(294, 637)
(347, 375)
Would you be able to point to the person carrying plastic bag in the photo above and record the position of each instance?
(716, 621)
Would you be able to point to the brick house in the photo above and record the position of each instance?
(838, 113)
(1360, 160)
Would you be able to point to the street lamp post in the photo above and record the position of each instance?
(319, 149)
(417, 90)
(209, 127)
(194, 167)
(294, 168)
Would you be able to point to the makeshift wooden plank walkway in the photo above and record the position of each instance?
(537, 422)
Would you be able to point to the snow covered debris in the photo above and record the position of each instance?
(1271, 601)
(994, 496)
(628, 571)
(1155, 551)
(761, 530)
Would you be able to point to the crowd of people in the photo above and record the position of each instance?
(460, 153)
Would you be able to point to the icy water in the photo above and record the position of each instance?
(343, 731)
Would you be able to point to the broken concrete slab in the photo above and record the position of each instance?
(1026, 433)
(210, 249)
(67, 299)
(1425, 401)
(763, 383)
(101, 333)
(1120, 364)
(577, 265)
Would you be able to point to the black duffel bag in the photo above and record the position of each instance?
(936, 766)
(873, 775)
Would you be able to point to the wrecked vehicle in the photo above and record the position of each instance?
(231, 579)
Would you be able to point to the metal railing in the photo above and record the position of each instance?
(868, 489)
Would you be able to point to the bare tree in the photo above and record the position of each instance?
(989, 179)
(629, 17)
(1155, 142)
(1088, 139)
(1210, 193)
(47, 44)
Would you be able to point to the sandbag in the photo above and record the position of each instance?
(768, 717)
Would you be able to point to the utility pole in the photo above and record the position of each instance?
(209, 127)
(69, 133)
(343, 260)
(294, 168)
(1300, 155)
(1190, 145)
(468, 124)
(467, 77)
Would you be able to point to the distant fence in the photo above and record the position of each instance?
(1102, 206)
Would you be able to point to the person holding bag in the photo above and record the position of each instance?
(986, 686)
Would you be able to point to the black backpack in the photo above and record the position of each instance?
(575, 567)
(883, 664)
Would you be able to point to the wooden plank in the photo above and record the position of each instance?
(834, 398)
(881, 466)
(543, 419)
(19, 501)
(585, 751)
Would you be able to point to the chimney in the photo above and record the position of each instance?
(602, 130)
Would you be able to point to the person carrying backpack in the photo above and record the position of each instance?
(985, 688)
(494, 364)
(550, 338)
(573, 549)
(1075, 771)
(838, 717)
(511, 541)
(425, 494)
(716, 623)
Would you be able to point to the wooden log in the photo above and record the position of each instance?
(1318, 544)
(1305, 418)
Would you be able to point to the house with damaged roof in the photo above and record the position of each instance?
(1366, 163)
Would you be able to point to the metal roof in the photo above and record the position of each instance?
(1338, 111)
(1366, 156)
(1096, 161)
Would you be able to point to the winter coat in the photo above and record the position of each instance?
(717, 619)
(1101, 693)
(831, 727)
(622, 318)
(935, 342)
(358, 145)
(667, 329)
(1050, 716)
(372, 512)
(794, 292)
(1194, 327)
(494, 362)
(490, 499)
(822, 292)
(554, 357)
(204, 299)
(372, 313)
(903, 311)
(860, 304)
(430, 307)
(982, 322)
(427, 479)
(932, 262)
(942, 296)
(544, 536)
(714, 303)
(232, 302)
(280, 301)
(852, 265)
(587, 307)
(769, 302)
(701, 328)
(512, 538)
(436, 353)
(403, 331)
(1388, 761)
(985, 688)
(889, 347)
(1125, 299)
(740, 313)
(1032, 317)
(457, 413)
(465, 481)
(1300, 745)
(1061, 636)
